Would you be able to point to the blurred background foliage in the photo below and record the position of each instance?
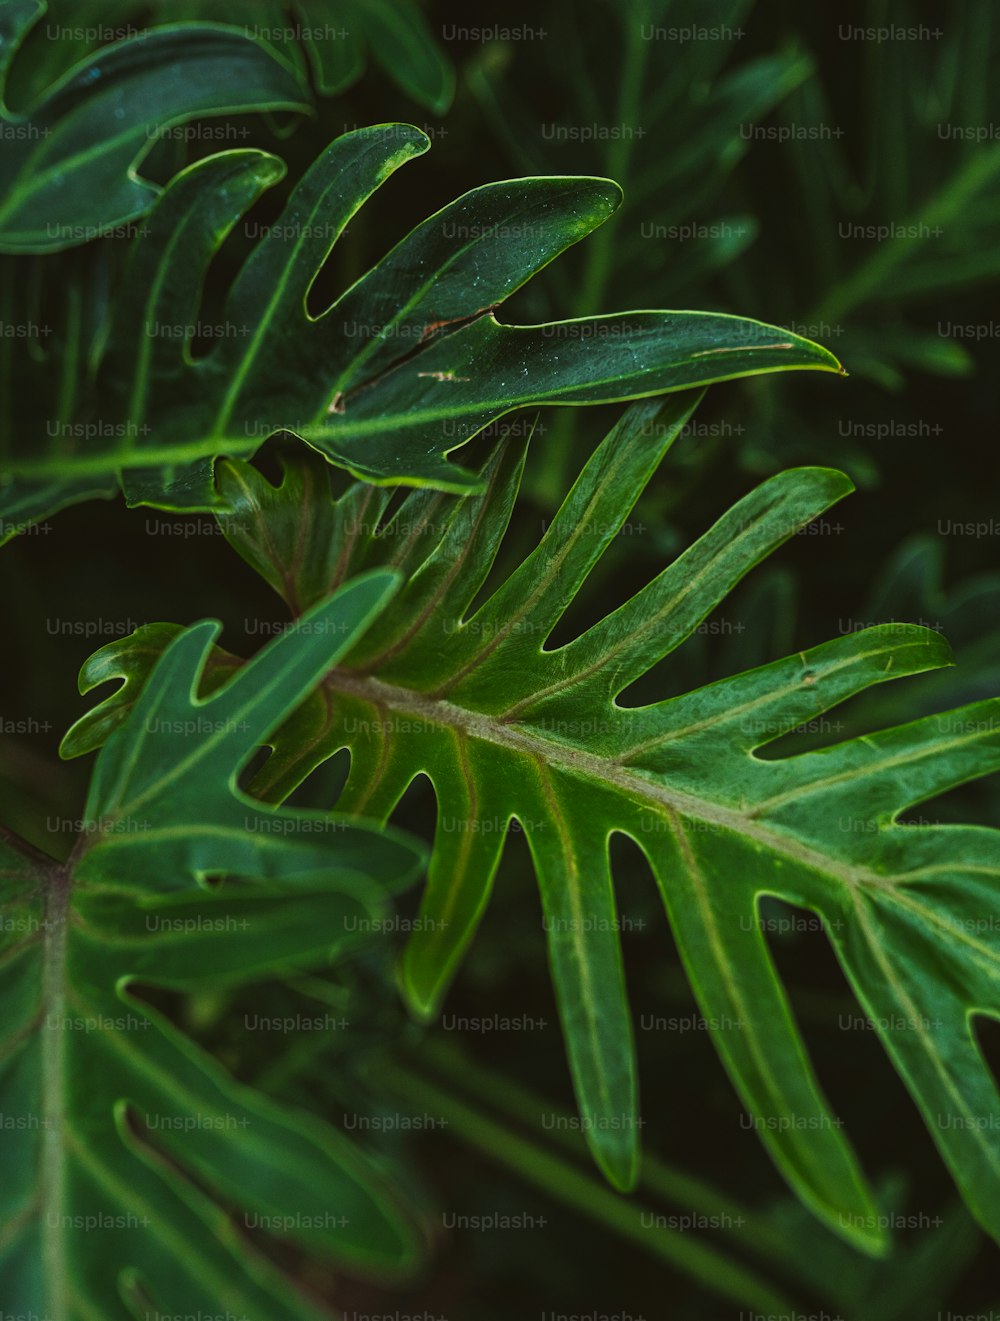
(777, 162)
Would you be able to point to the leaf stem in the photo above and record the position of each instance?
(585, 1193)
(658, 1177)
(617, 163)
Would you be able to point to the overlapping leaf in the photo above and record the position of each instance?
(887, 159)
(336, 34)
(506, 729)
(68, 166)
(139, 1177)
(408, 364)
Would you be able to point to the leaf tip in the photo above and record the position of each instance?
(617, 1159)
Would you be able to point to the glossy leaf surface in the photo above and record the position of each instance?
(408, 364)
(68, 169)
(507, 728)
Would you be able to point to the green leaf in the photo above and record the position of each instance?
(336, 37)
(68, 167)
(143, 1176)
(506, 729)
(408, 364)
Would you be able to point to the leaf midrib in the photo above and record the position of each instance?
(801, 1151)
(489, 729)
(590, 998)
(483, 410)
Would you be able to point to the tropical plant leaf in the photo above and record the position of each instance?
(408, 364)
(135, 1150)
(509, 730)
(68, 167)
(336, 35)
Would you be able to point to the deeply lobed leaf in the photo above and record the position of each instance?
(508, 729)
(408, 364)
(140, 1176)
(69, 162)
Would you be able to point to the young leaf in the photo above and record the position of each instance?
(408, 364)
(507, 729)
(138, 1166)
(68, 167)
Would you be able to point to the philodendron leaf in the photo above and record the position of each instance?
(68, 166)
(336, 34)
(408, 364)
(140, 1178)
(506, 729)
